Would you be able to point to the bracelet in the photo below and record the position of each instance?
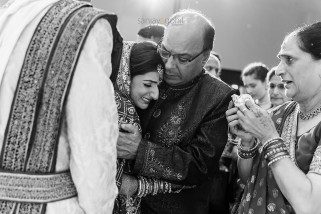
(275, 150)
(247, 153)
(271, 140)
(277, 159)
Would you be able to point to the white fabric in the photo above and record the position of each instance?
(87, 143)
(13, 21)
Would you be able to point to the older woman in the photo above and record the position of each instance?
(283, 171)
(276, 88)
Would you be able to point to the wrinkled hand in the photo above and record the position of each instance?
(235, 127)
(129, 185)
(256, 121)
(128, 141)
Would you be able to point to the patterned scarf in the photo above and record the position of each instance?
(262, 194)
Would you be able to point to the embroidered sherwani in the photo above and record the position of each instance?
(88, 128)
(184, 133)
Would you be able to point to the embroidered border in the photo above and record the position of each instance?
(44, 131)
(24, 108)
(36, 188)
(315, 165)
(59, 76)
(123, 77)
(289, 132)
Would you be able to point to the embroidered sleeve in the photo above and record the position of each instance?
(315, 165)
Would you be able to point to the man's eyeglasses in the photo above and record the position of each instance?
(181, 58)
(279, 86)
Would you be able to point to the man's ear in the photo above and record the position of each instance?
(206, 55)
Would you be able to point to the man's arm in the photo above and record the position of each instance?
(92, 124)
(190, 163)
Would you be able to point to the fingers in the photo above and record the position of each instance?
(231, 104)
(130, 128)
(249, 104)
(231, 111)
(232, 118)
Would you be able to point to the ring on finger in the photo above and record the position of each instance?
(243, 110)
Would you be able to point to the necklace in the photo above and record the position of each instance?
(311, 114)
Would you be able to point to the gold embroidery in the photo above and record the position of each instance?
(36, 188)
(33, 128)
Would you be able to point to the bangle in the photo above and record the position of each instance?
(275, 150)
(277, 159)
(247, 153)
(155, 187)
(271, 140)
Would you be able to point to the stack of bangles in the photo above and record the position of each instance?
(247, 153)
(275, 150)
(147, 186)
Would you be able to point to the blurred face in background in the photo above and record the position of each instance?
(213, 66)
(255, 87)
(277, 91)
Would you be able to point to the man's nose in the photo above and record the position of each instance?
(170, 63)
(279, 71)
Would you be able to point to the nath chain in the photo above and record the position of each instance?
(310, 115)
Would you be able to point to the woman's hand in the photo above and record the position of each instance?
(256, 121)
(235, 127)
(129, 185)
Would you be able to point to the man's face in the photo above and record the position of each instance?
(213, 66)
(184, 42)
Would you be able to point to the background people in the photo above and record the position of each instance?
(213, 65)
(254, 80)
(276, 88)
(153, 32)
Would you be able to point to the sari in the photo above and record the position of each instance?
(262, 194)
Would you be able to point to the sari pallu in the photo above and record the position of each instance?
(262, 194)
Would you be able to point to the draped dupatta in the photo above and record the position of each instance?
(126, 114)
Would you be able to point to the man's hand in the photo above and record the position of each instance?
(128, 141)
(129, 185)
